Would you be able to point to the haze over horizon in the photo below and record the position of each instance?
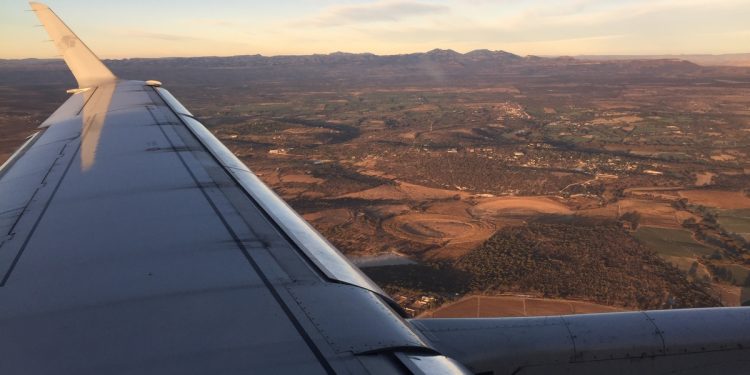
(526, 27)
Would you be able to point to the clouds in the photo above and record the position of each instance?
(570, 27)
(577, 13)
(375, 12)
(540, 27)
(160, 36)
(211, 22)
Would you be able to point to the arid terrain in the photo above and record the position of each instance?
(526, 185)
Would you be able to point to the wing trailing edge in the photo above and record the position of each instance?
(88, 70)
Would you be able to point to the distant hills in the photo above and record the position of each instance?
(436, 55)
(440, 67)
(445, 55)
(732, 59)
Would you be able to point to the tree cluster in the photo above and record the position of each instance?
(599, 262)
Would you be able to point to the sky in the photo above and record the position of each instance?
(152, 28)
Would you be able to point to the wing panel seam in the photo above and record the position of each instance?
(41, 215)
(295, 322)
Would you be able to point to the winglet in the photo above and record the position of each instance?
(85, 66)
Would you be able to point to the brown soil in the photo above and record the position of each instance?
(704, 178)
(405, 190)
(616, 120)
(657, 214)
(301, 179)
(437, 229)
(731, 295)
(722, 157)
(329, 218)
(686, 263)
(717, 198)
(607, 212)
(517, 206)
(504, 306)
(653, 213)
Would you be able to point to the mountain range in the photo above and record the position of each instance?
(439, 66)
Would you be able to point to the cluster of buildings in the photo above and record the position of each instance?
(416, 304)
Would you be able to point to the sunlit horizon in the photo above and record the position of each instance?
(142, 29)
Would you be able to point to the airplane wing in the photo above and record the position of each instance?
(133, 241)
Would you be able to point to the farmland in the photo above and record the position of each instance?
(672, 242)
(492, 306)
(736, 221)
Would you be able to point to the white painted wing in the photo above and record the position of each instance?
(88, 70)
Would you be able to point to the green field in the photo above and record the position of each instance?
(674, 242)
(739, 273)
(736, 221)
